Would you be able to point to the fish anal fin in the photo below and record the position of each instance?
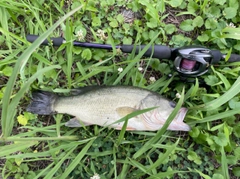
(125, 110)
(74, 122)
(127, 128)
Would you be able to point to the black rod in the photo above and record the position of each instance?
(94, 45)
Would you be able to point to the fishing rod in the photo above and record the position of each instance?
(189, 61)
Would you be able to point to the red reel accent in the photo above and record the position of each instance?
(188, 64)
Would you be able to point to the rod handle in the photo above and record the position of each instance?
(217, 56)
(234, 58)
(159, 51)
(58, 41)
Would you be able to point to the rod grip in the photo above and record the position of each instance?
(159, 51)
(55, 41)
(217, 56)
(234, 58)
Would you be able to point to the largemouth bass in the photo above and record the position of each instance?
(105, 105)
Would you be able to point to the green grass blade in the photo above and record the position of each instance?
(223, 78)
(14, 6)
(217, 116)
(9, 149)
(82, 71)
(134, 163)
(13, 16)
(122, 132)
(232, 33)
(110, 38)
(21, 62)
(163, 157)
(14, 36)
(41, 59)
(203, 175)
(134, 61)
(154, 169)
(164, 174)
(4, 25)
(93, 72)
(104, 153)
(167, 147)
(124, 171)
(37, 13)
(157, 84)
(60, 162)
(39, 175)
(233, 91)
(167, 84)
(39, 138)
(68, 145)
(231, 30)
(115, 161)
(25, 87)
(69, 50)
(195, 88)
(224, 164)
(76, 161)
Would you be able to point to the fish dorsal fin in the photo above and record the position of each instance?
(125, 110)
(83, 90)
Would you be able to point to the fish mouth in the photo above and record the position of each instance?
(181, 114)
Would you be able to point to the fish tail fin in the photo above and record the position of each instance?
(42, 103)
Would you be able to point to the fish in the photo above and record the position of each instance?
(105, 105)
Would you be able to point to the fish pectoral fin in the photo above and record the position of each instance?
(123, 111)
(74, 122)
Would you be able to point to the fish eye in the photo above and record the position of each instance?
(172, 104)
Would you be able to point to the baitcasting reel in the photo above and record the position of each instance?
(192, 61)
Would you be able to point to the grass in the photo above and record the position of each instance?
(34, 146)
